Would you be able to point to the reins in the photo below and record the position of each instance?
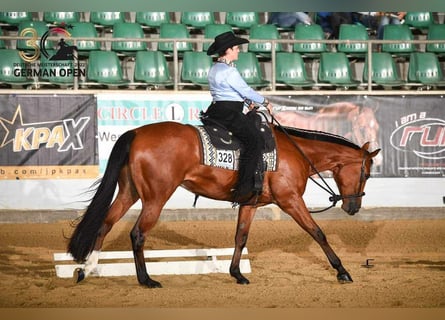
(334, 198)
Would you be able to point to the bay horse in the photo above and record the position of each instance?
(150, 162)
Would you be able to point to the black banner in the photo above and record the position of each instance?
(48, 136)
(410, 130)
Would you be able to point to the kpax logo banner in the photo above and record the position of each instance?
(63, 135)
(421, 135)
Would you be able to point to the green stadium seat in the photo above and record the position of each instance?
(263, 32)
(128, 30)
(152, 19)
(14, 18)
(353, 32)
(151, 68)
(309, 32)
(27, 29)
(384, 70)
(11, 65)
(290, 70)
(106, 19)
(249, 68)
(55, 17)
(104, 68)
(419, 20)
(174, 30)
(398, 32)
(195, 67)
(84, 30)
(335, 70)
(436, 32)
(212, 30)
(197, 20)
(242, 20)
(424, 68)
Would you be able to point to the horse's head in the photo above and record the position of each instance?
(351, 179)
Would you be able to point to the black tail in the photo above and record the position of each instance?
(84, 237)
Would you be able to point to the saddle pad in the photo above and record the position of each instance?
(225, 157)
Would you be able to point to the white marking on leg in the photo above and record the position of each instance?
(91, 263)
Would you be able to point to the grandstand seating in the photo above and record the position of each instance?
(242, 20)
(309, 32)
(128, 30)
(104, 68)
(195, 68)
(106, 19)
(11, 65)
(174, 30)
(151, 68)
(384, 70)
(293, 61)
(419, 20)
(353, 32)
(290, 70)
(436, 32)
(335, 70)
(54, 17)
(152, 19)
(398, 32)
(263, 32)
(14, 18)
(197, 20)
(249, 68)
(424, 68)
(27, 29)
(84, 30)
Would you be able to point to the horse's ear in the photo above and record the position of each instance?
(374, 153)
(365, 146)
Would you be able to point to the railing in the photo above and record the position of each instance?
(371, 44)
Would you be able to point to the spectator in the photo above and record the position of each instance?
(389, 18)
(289, 19)
(331, 21)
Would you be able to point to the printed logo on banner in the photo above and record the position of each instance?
(32, 147)
(63, 135)
(56, 64)
(423, 136)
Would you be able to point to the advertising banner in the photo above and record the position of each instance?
(48, 137)
(117, 113)
(410, 130)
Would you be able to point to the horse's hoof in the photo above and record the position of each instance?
(152, 284)
(78, 275)
(242, 280)
(344, 278)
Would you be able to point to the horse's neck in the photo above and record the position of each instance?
(324, 155)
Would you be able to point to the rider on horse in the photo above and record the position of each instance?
(230, 92)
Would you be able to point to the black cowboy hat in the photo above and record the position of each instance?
(224, 41)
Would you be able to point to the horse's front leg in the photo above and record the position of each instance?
(245, 217)
(302, 216)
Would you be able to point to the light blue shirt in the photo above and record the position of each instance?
(226, 84)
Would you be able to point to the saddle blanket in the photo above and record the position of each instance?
(228, 158)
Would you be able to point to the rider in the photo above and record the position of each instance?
(229, 92)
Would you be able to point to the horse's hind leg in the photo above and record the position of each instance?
(245, 217)
(125, 198)
(146, 221)
(302, 216)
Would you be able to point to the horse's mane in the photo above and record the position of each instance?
(318, 135)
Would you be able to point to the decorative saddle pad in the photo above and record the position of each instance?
(221, 149)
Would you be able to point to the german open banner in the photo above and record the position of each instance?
(48, 137)
(410, 130)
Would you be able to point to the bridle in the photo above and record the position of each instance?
(334, 198)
